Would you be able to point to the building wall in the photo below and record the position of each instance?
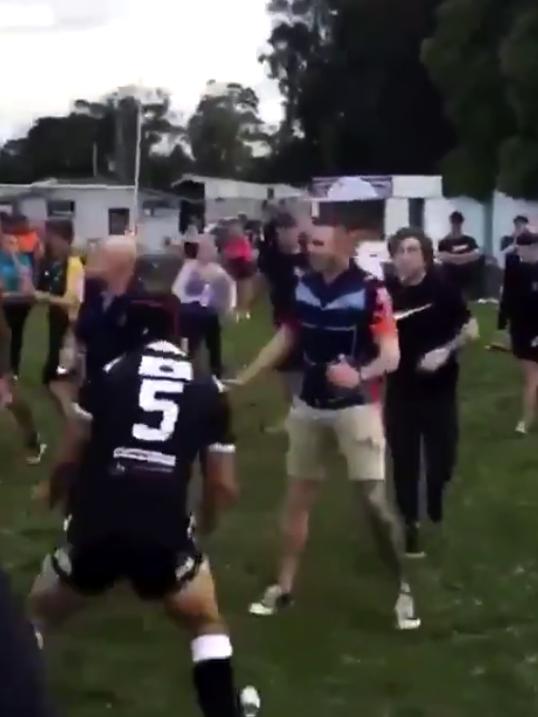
(155, 230)
(217, 209)
(396, 215)
(437, 213)
(91, 214)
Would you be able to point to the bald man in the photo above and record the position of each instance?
(102, 327)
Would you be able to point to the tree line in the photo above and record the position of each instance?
(368, 86)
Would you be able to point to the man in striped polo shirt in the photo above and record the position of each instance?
(345, 331)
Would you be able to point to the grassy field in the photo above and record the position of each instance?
(334, 654)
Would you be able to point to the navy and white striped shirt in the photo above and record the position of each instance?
(342, 318)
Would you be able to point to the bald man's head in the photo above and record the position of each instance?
(119, 255)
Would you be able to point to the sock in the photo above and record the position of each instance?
(213, 676)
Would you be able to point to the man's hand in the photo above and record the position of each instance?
(343, 375)
(232, 383)
(42, 297)
(433, 360)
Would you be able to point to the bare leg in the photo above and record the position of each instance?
(63, 395)
(195, 607)
(51, 601)
(23, 416)
(300, 499)
(387, 532)
(385, 525)
(530, 392)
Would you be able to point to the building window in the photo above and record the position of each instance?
(118, 221)
(416, 213)
(60, 209)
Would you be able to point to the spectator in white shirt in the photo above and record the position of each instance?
(207, 294)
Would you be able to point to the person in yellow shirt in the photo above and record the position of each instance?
(60, 287)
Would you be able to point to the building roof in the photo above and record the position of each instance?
(223, 188)
(39, 188)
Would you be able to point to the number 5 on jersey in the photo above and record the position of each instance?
(164, 377)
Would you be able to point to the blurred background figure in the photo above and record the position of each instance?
(519, 312)
(280, 265)
(509, 242)
(28, 240)
(509, 249)
(207, 294)
(60, 288)
(462, 260)
(239, 261)
(16, 279)
(12, 399)
(190, 241)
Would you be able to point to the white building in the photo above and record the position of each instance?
(97, 209)
(224, 198)
(419, 201)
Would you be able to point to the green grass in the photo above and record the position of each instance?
(335, 654)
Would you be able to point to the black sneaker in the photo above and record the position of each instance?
(413, 550)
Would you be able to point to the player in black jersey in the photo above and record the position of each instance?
(128, 461)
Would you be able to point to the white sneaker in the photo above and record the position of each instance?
(39, 639)
(34, 459)
(406, 617)
(251, 703)
(274, 600)
(521, 428)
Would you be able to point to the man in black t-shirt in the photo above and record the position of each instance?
(280, 267)
(124, 472)
(461, 258)
(421, 398)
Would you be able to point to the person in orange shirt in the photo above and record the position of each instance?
(30, 244)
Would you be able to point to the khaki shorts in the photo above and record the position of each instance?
(359, 434)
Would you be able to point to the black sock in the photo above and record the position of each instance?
(214, 682)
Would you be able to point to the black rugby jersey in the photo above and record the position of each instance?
(150, 420)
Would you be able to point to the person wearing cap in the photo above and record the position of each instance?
(461, 257)
(280, 267)
(519, 312)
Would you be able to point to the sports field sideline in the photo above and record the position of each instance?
(334, 654)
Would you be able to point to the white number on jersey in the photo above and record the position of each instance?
(161, 376)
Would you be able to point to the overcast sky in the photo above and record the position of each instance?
(84, 48)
